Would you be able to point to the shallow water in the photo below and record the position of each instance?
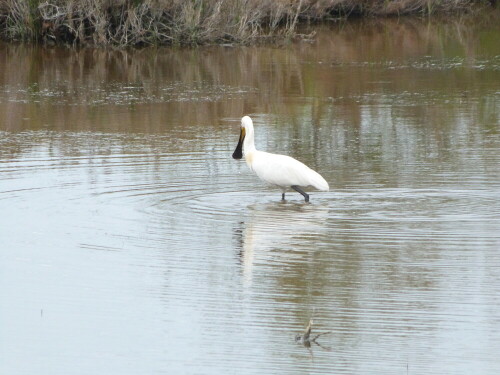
(131, 241)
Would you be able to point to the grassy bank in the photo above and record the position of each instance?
(189, 22)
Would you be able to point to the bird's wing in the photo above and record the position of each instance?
(285, 171)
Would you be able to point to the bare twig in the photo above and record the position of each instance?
(305, 337)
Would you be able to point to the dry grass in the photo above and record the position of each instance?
(187, 22)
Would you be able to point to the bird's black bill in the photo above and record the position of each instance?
(238, 153)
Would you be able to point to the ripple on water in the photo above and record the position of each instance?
(187, 221)
(123, 93)
(427, 63)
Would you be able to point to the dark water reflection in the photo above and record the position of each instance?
(131, 242)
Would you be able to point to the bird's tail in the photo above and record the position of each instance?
(319, 182)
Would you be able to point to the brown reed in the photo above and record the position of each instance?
(188, 22)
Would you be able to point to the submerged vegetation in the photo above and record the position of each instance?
(184, 22)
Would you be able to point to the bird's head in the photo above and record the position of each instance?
(246, 122)
(246, 126)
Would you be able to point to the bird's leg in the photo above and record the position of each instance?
(299, 190)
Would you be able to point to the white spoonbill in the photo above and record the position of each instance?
(280, 170)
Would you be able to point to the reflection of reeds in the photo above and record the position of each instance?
(146, 22)
(267, 77)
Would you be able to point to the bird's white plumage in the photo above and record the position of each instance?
(281, 170)
(284, 171)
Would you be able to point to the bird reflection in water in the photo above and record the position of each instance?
(270, 231)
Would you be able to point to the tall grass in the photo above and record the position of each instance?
(146, 22)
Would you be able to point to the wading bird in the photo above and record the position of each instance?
(281, 170)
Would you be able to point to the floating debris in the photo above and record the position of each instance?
(305, 337)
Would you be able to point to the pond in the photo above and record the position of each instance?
(132, 243)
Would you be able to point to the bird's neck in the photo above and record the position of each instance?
(249, 156)
(249, 142)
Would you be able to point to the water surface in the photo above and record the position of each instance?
(132, 243)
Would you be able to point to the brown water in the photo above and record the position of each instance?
(132, 243)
